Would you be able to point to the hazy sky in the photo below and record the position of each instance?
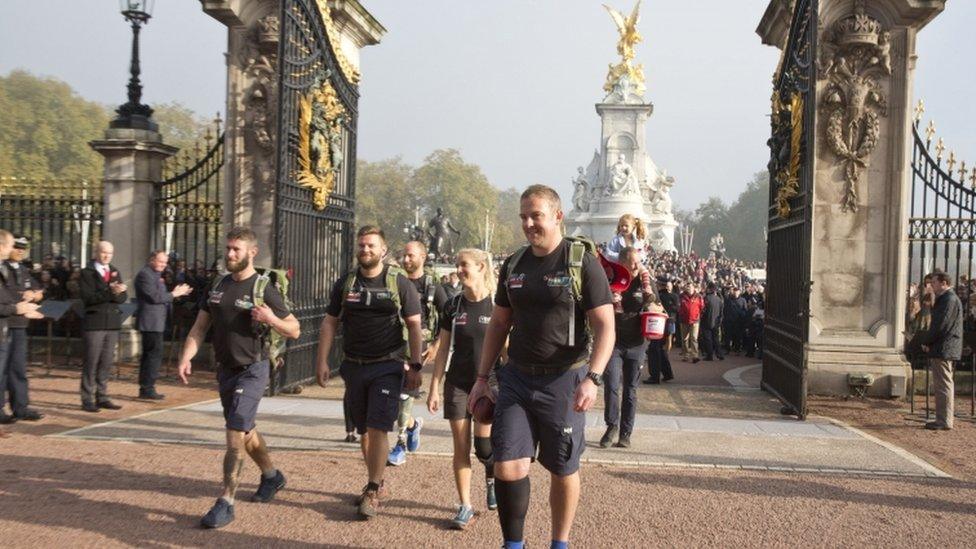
(511, 83)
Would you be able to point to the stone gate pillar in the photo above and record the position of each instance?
(133, 165)
(859, 257)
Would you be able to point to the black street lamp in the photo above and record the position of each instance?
(134, 114)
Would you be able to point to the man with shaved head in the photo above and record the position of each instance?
(102, 291)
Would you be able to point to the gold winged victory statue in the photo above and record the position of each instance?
(629, 37)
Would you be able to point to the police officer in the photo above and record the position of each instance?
(623, 371)
(15, 384)
(432, 300)
(546, 387)
(243, 366)
(12, 307)
(374, 314)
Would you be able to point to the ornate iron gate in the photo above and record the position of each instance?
(786, 332)
(189, 209)
(315, 167)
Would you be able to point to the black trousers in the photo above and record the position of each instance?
(14, 382)
(150, 361)
(710, 341)
(620, 387)
(658, 361)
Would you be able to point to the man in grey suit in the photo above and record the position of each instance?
(943, 343)
(154, 303)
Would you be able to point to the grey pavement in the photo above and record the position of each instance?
(816, 445)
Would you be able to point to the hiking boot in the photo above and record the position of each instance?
(220, 515)
(269, 487)
(607, 438)
(490, 500)
(413, 435)
(464, 517)
(623, 442)
(369, 504)
(398, 455)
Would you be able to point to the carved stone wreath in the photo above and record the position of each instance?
(320, 120)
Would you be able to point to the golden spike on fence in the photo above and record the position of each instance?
(217, 121)
(972, 179)
(919, 111)
(196, 149)
(207, 137)
(929, 133)
(962, 172)
(952, 161)
(940, 148)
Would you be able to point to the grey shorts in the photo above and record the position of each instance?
(373, 393)
(240, 393)
(536, 413)
(456, 401)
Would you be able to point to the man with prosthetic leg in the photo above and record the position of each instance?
(548, 292)
(241, 321)
(380, 312)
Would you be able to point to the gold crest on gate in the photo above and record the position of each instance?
(320, 140)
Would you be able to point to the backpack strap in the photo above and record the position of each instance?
(512, 262)
(347, 287)
(575, 268)
(393, 286)
(455, 305)
(260, 285)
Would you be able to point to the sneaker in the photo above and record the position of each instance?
(351, 437)
(623, 442)
(220, 515)
(413, 435)
(398, 455)
(30, 414)
(382, 493)
(464, 517)
(369, 504)
(608, 436)
(490, 500)
(269, 487)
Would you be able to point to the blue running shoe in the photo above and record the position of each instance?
(490, 495)
(398, 456)
(220, 515)
(413, 435)
(464, 517)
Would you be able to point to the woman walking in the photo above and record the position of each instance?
(462, 330)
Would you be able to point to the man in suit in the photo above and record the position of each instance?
(154, 304)
(943, 343)
(102, 291)
(711, 324)
(14, 382)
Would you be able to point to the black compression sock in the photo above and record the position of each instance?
(513, 505)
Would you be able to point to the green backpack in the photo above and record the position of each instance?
(432, 319)
(275, 342)
(391, 286)
(579, 246)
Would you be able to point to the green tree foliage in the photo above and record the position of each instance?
(45, 128)
(384, 197)
(741, 224)
(182, 127)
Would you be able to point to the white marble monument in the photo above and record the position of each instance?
(621, 178)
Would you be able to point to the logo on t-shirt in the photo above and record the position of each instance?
(516, 281)
(484, 319)
(215, 297)
(556, 280)
(461, 320)
(353, 297)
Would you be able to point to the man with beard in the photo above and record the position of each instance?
(380, 312)
(432, 300)
(243, 368)
(546, 388)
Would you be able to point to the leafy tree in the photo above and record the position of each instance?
(384, 197)
(741, 224)
(45, 128)
(182, 127)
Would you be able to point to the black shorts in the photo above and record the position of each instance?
(240, 393)
(537, 412)
(456, 401)
(373, 393)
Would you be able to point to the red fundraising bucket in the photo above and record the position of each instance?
(653, 324)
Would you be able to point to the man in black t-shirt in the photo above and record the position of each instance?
(373, 315)
(243, 369)
(432, 299)
(545, 389)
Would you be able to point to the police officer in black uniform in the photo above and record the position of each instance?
(373, 366)
(546, 387)
(243, 367)
(13, 308)
(15, 384)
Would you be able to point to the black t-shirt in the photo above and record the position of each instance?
(628, 322)
(538, 290)
(472, 323)
(428, 287)
(236, 338)
(371, 325)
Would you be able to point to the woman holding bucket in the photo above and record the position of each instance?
(623, 371)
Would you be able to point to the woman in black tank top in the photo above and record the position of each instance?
(463, 323)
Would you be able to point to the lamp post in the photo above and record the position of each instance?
(133, 114)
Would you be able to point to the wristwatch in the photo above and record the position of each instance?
(416, 366)
(596, 378)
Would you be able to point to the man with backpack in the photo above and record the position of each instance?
(432, 300)
(380, 313)
(245, 308)
(548, 293)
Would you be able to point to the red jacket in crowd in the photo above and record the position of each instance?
(691, 308)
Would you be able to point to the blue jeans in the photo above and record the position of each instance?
(620, 380)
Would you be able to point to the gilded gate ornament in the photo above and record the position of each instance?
(320, 126)
(852, 58)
